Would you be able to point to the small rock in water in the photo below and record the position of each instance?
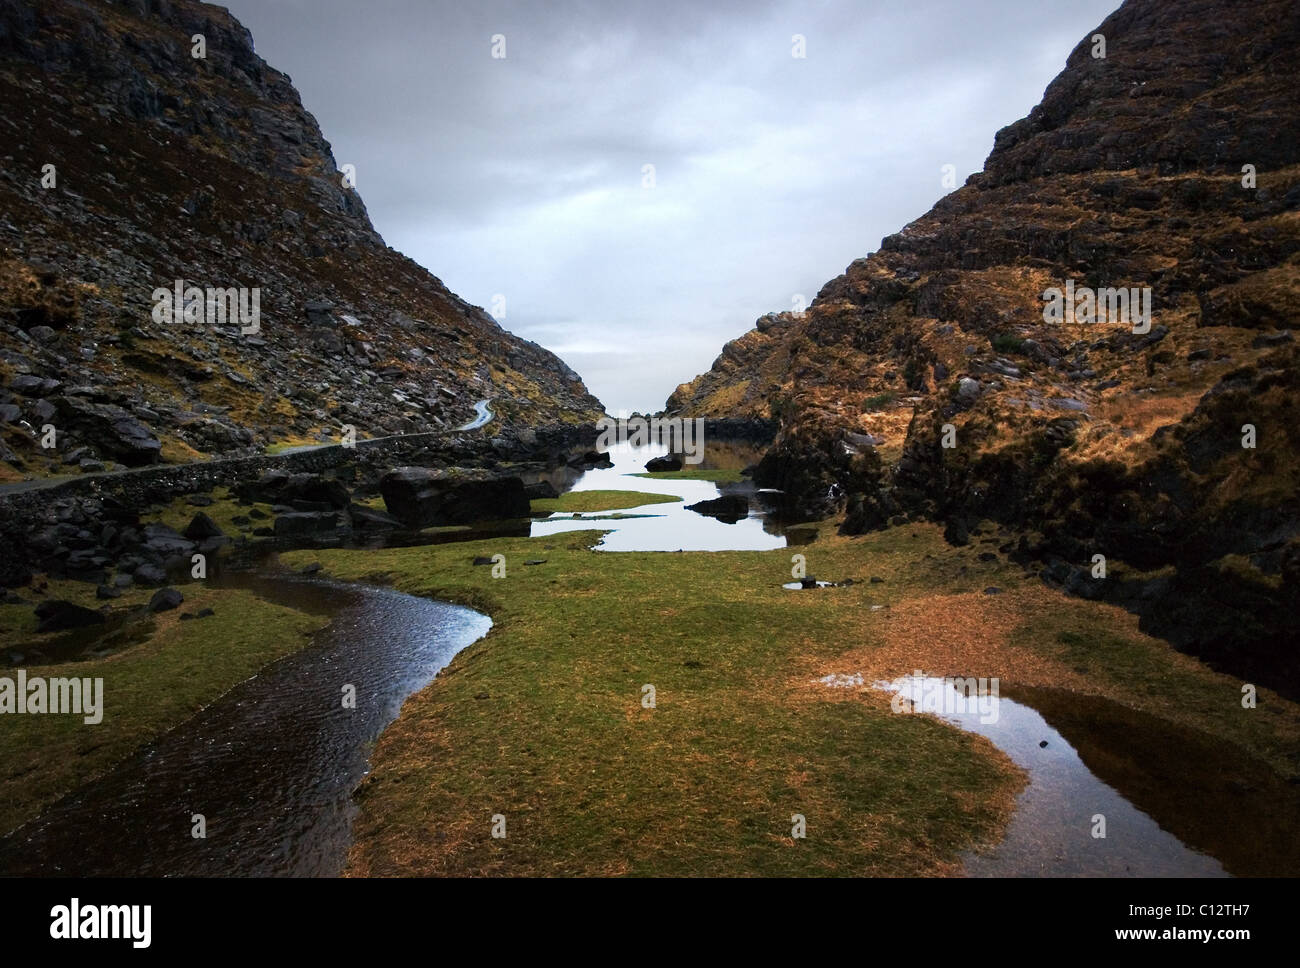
(310, 569)
(667, 463)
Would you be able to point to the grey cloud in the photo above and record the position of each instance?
(523, 176)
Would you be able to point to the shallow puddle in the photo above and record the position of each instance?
(1058, 816)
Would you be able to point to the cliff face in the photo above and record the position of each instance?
(208, 170)
(1169, 445)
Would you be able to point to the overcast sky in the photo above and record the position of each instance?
(523, 176)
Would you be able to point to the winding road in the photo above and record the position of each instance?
(483, 415)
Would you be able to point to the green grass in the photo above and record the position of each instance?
(727, 475)
(879, 400)
(1007, 342)
(223, 510)
(280, 446)
(542, 720)
(581, 501)
(148, 688)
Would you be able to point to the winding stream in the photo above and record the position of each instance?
(669, 526)
(272, 764)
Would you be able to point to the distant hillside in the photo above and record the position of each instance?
(208, 170)
(1091, 439)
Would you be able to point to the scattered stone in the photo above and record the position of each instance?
(729, 508)
(540, 490)
(667, 463)
(1276, 338)
(370, 519)
(201, 527)
(165, 599)
(148, 574)
(421, 497)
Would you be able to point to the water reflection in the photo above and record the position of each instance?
(671, 527)
(271, 765)
(1052, 830)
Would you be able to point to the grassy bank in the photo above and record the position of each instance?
(543, 721)
(175, 669)
(582, 501)
(718, 475)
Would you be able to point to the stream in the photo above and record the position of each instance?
(272, 764)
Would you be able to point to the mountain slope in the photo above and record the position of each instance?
(209, 170)
(1099, 438)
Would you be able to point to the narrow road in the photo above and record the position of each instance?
(483, 416)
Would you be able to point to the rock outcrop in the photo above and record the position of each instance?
(420, 497)
(926, 380)
(130, 165)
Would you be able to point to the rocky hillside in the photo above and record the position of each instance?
(208, 170)
(1169, 450)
